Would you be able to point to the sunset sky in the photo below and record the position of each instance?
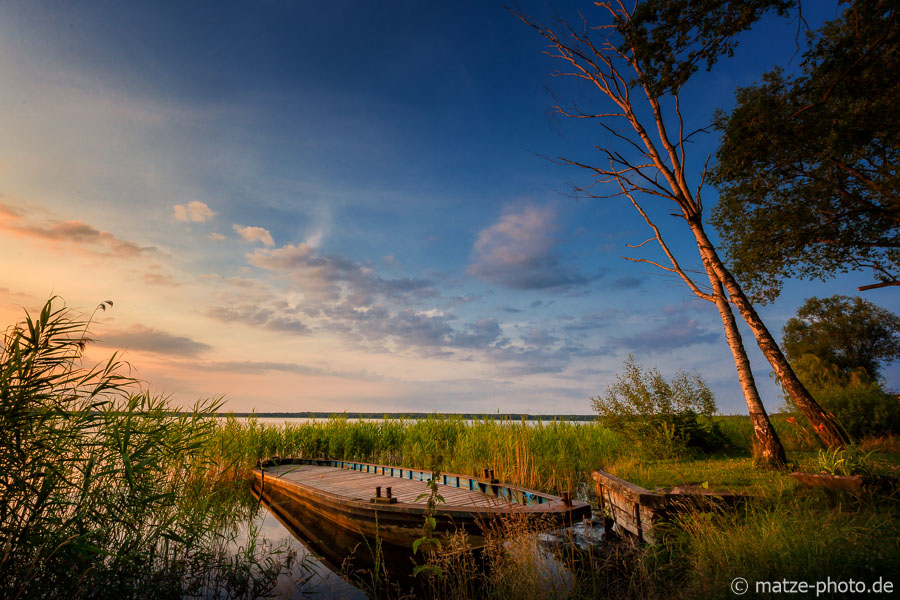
(346, 206)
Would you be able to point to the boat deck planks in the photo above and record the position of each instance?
(361, 486)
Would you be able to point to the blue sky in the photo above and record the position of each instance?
(344, 206)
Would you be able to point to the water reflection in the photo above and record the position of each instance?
(335, 557)
(337, 550)
(313, 574)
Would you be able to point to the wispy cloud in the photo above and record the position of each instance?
(258, 316)
(156, 276)
(328, 279)
(195, 211)
(627, 282)
(673, 334)
(529, 358)
(76, 233)
(261, 367)
(147, 339)
(255, 234)
(518, 252)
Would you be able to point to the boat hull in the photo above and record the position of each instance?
(401, 523)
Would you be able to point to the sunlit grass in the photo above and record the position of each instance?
(550, 456)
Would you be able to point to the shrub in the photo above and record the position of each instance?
(859, 403)
(845, 461)
(663, 418)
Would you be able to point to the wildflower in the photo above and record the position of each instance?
(820, 427)
(791, 420)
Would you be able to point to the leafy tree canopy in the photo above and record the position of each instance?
(808, 166)
(670, 38)
(849, 333)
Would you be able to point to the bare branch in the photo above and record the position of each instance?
(873, 286)
(676, 268)
(641, 244)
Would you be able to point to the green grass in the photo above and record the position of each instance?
(795, 535)
(722, 473)
(785, 531)
(550, 456)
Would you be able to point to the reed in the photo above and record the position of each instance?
(106, 491)
(553, 456)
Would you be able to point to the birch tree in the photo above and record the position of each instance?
(645, 156)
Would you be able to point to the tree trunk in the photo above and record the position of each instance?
(768, 450)
(825, 427)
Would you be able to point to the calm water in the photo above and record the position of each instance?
(329, 557)
(312, 575)
(302, 420)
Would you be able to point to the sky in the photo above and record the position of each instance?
(348, 206)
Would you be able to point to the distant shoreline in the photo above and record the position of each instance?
(408, 415)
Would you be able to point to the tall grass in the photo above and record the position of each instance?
(784, 534)
(803, 536)
(104, 490)
(551, 456)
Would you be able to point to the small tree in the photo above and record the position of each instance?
(637, 60)
(849, 333)
(664, 418)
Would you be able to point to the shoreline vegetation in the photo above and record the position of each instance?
(401, 415)
(410, 415)
(108, 491)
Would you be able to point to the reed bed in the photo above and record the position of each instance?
(551, 456)
(106, 491)
(785, 532)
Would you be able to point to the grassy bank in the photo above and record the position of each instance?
(546, 455)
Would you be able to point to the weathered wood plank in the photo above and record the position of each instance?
(360, 485)
(637, 510)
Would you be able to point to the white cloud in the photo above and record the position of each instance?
(194, 211)
(255, 234)
(216, 236)
(518, 251)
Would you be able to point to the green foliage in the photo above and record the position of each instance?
(671, 37)
(850, 460)
(663, 418)
(850, 333)
(836, 346)
(861, 406)
(555, 455)
(807, 166)
(104, 492)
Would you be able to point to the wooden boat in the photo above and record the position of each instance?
(637, 511)
(387, 502)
